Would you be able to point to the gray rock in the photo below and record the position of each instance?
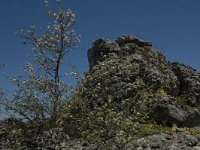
(102, 49)
(196, 148)
(177, 141)
(141, 74)
(189, 79)
(167, 110)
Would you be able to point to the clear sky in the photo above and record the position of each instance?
(172, 25)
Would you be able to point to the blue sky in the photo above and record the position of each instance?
(172, 25)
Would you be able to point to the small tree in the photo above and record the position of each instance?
(40, 95)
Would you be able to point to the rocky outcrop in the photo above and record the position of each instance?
(189, 80)
(131, 98)
(137, 78)
(103, 48)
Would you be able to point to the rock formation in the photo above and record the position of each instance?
(131, 98)
(139, 80)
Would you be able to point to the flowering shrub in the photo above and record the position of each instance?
(41, 93)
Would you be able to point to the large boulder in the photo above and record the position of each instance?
(189, 80)
(167, 109)
(129, 76)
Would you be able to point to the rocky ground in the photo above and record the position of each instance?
(55, 139)
(131, 98)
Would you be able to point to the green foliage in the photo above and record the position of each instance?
(191, 130)
(152, 128)
(104, 121)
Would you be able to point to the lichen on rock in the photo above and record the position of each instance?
(139, 79)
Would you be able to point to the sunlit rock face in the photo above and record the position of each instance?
(135, 78)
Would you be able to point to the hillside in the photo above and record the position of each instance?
(131, 97)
